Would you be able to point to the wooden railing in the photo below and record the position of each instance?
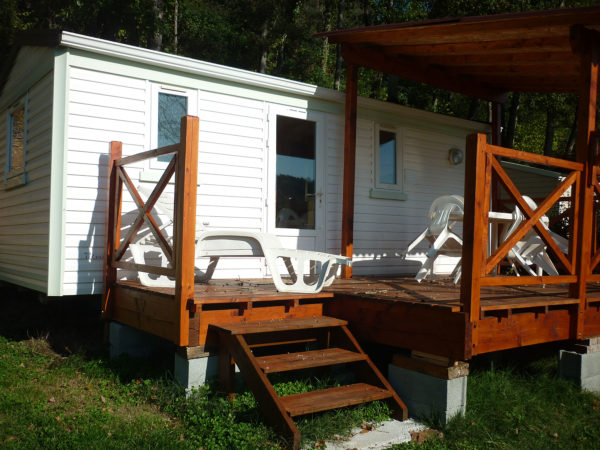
(482, 165)
(179, 254)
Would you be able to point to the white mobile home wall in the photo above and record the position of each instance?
(25, 209)
(108, 90)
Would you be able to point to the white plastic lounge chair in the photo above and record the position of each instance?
(531, 250)
(218, 243)
(443, 241)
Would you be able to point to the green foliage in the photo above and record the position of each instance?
(276, 36)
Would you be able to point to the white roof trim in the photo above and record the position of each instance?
(181, 63)
(211, 70)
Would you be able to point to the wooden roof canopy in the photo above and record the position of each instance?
(483, 57)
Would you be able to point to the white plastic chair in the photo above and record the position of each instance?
(217, 243)
(531, 250)
(439, 234)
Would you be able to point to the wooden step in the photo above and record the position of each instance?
(266, 326)
(338, 397)
(305, 360)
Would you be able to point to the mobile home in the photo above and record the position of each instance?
(66, 96)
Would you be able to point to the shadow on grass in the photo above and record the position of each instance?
(70, 324)
(74, 329)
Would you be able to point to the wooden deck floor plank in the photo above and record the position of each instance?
(435, 294)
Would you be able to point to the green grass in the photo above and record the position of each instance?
(58, 389)
(522, 405)
(48, 400)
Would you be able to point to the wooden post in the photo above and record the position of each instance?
(186, 177)
(112, 228)
(582, 231)
(349, 166)
(475, 227)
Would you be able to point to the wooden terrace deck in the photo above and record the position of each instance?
(488, 312)
(393, 311)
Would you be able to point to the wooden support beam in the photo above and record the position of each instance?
(349, 166)
(112, 228)
(503, 47)
(584, 42)
(185, 225)
(529, 25)
(412, 69)
(515, 59)
(475, 226)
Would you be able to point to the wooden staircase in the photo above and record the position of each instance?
(238, 343)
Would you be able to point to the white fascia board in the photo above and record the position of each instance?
(231, 74)
(181, 63)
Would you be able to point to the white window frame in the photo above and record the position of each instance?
(192, 109)
(389, 191)
(18, 177)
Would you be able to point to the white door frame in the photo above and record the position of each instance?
(320, 120)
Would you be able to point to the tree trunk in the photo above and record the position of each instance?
(338, 52)
(365, 5)
(549, 140)
(262, 68)
(511, 124)
(157, 37)
(473, 109)
(325, 59)
(570, 150)
(175, 26)
(392, 81)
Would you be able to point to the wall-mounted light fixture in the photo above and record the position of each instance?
(455, 156)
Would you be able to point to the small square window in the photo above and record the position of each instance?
(388, 165)
(170, 110)
(15, 151)
(167, 106)
(387, 158)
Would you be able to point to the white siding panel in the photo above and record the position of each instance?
(24, 210)
(27, 61)
(384, 227)
(115, 91)
(232, 161)
(535, 185)
(102, 108)
(232, 173)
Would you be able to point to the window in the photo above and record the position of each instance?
(388, 163)
(388, 173)
(15, 154)
(168, 106)
(296, 173)
(170, 110)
